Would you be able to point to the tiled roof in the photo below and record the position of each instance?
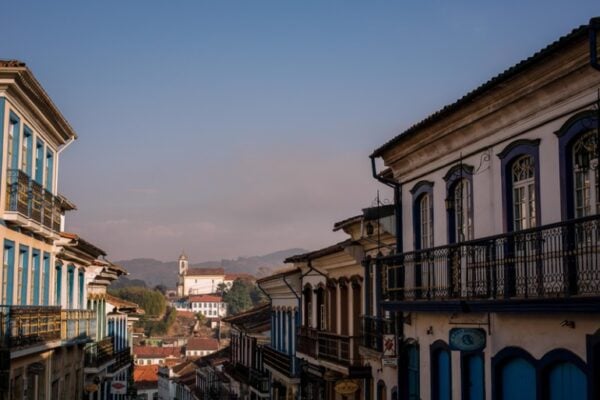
(576, 34)
(120, 303)
(205, 298)
(233, 277)
(197, 343)
(145, 373)
(339, 225)
(256, 319)
(217, 358)
(277, 275)
(319, 253)
(204, 271)
(156, 352)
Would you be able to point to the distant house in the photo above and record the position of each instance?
(146, 381)
(198, 347)
(210, 306)
(149, 355)
(168, 379)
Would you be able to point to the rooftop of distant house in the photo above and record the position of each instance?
(205, 298)
(204, 271)
(233, 277)
(198, 343)
(156, 352)
(145, 376)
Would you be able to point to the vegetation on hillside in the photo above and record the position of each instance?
(152, 301)
(242, 296)
(161, 327)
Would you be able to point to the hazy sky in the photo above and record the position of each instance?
(231, 128)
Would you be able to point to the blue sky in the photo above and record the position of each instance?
(231, 128)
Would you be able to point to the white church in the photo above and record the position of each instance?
(193, 281)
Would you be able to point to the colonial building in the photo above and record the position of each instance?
(495, 288)
(211, 306)
(147, 355)
(201, 346)
(250, 331)
(279, 356)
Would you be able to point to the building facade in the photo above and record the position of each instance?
(494, 288)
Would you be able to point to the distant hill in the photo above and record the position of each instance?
(154, 272)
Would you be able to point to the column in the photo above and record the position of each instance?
(338, 304)
(315, 314)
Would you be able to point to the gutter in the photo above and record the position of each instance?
(397, 202)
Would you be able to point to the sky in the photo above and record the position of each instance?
(238, 128)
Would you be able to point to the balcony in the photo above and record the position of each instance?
(25, 326)
(77, 325)
(123, 358)
(560, 260)
(99, 353)
(259, 381)
(28, 204)
(280, 362)
(340, 349)
(373, 329)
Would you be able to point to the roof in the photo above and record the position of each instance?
(509, 73)
(145, 373)
(205, 298)
(204, 271)
(256, 319)
(120, 303)
(66, 204)
(319, 253)
(25, 79)
(348, 221)
(198, 343)
(233, 277)
(156, 352)
(217, 358)
(83, 244)
(278, 275)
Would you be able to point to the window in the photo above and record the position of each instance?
(426, 222)
(34, 295)
(441, 375)
(70, 285)
(22, 273)
(462, 211)
(523, 187)
(57, 300)
(45, 281)
(520, 184)
(26, 151)
(13, 140)
(81, 289)
(585, 175)
(423, 214)
(8, 264)
(39, 162)
(49, 170)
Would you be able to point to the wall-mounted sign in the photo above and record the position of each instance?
(389, 345)
(90, 388)
(346, 386)
(118, 387)
(389, 362)
(467, 339)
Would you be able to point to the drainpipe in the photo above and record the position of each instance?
(397, 202)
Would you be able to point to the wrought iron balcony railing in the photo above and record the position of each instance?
(122, 359)
(340, 349)
(99, 353)
(283, 363)
(22, 326)
(259, 380)
(561, 259)
(28, 198)
(77, 324)
(373, 329)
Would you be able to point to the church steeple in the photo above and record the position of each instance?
(183, 264)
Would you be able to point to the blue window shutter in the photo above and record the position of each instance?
(9, 246)
(36, 276)
(15, 158)
(58, 283)
(47, 279)
(39, 162)
(2, 103)
(81, 282)
(70, 285)
(25, 252)
(28, 136)
(50, 168)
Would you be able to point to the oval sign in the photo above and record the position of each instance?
(467, 339)
(346, 386)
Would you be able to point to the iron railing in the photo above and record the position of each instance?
(561, 259)
(77, 324)
(281, 362)
(28, 197)
(340, 349)
(99, 353)
(373, 330)
(259, 380)
(22, 326)
(122, 358)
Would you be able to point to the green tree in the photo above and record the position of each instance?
(152, 301)
(238, 297)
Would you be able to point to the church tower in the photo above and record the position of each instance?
(183, 266)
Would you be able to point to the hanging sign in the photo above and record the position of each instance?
(467, 339)
(118, 387)
(346, 386)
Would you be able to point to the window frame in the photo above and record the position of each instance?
(453, 178)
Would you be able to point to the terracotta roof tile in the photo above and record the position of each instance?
(205, 298)
(204, 271)
(156, 352)
(198, 343)
(233, 277)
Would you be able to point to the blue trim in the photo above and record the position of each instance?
(502, 358)
(438, 391)
(28, 136)
(39, 161)
(13, 119)
(35, 266)
(568, 134)
(452, 177)
(70, 285)
(2, 107)
(58, 283)
(465, 373)
(9, 247)
(24, 253)
(46, 298)
(81, 287)
(507, 156)
(50, 169)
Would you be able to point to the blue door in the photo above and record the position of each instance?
(518, 380)
(473, 377)
(443, 387)
(567, 382)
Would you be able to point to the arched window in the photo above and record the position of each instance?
(514, 375)
(441, 375)
(564, 376)
(586, 190)
(381, 390)
(463, 213)
(423, 214)
(520, 184)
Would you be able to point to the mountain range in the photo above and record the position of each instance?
(154, 272)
